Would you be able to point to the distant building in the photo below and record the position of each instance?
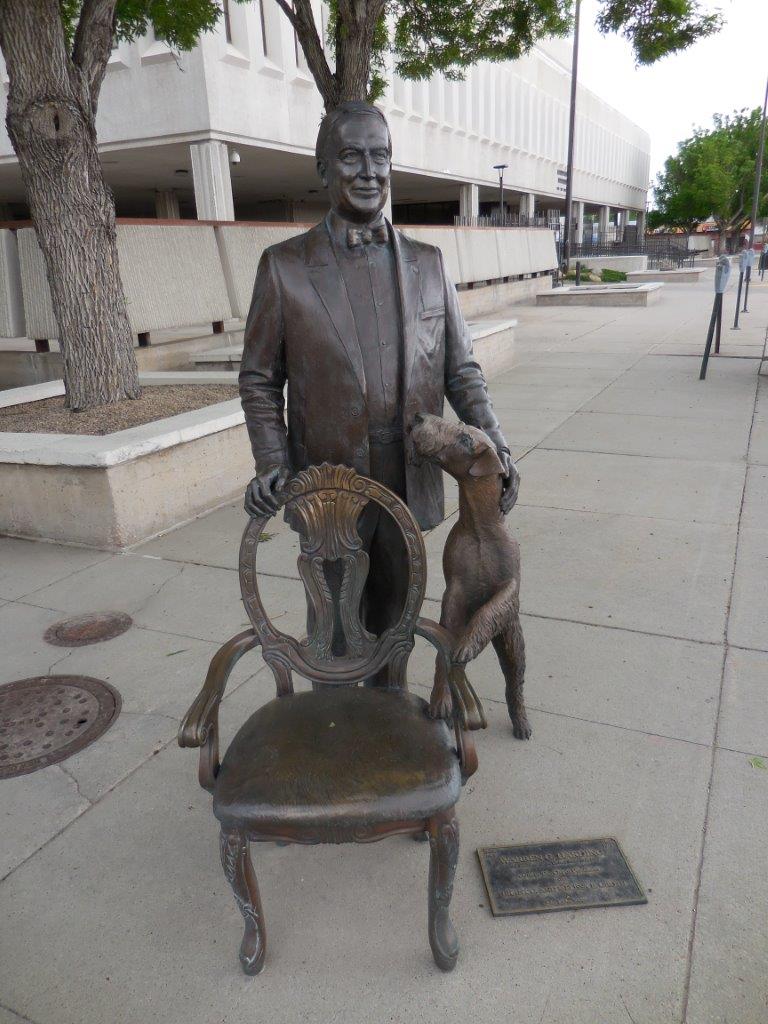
(227, 131)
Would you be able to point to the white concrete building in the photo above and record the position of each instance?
(228, 130)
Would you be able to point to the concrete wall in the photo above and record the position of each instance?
(19, 369)
(11, 302)
(182, 275)
(240, 249)
(486, 301)
(489, 254)
(38, 306)
(172, 277)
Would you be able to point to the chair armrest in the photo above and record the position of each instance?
(195, 724)
(466, 702)
(200, 725)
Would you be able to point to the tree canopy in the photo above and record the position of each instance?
(713, 175)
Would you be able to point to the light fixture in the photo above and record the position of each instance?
(234, 157)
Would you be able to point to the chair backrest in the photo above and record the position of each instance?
(323, 505)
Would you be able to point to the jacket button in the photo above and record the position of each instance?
(361, 452)
(355, 410)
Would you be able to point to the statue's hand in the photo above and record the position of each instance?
(261, 494)
(510, 483)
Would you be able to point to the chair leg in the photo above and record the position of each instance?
(236, 861)
(444, 853)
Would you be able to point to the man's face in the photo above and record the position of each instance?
(356, 167)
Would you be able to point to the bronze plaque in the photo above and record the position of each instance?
(570, 875)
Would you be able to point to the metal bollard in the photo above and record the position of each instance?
(722, 273)
(578, 273)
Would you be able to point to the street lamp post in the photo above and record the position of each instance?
(571, 138)
(756, 197)
(501, 168)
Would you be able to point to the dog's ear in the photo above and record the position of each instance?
(487, 464)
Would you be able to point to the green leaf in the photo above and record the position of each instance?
(759, 762)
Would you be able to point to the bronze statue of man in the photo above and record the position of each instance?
(365, 327)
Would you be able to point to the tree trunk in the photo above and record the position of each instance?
(51, 123)
(353, 59)
(355, 31)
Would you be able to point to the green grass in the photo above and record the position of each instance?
(612, 276)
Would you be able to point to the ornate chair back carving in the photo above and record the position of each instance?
(323, 504)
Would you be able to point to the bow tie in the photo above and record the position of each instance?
(364, 236)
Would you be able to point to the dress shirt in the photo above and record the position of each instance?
(370, 278)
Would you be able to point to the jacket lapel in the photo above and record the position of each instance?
(325, 275)
(408, 277)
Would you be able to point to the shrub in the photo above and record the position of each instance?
(612, 276)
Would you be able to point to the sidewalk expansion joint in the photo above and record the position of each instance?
(624, 515)
(714, 743)
(21, 1017)
(641, 455)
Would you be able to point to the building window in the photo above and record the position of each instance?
(263, 22)
(227, 22)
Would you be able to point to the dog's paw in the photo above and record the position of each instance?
(521, 727)
(466, 650)
(441, 703)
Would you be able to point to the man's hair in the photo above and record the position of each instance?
(332, 118)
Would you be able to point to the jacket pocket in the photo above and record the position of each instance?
(430, 314)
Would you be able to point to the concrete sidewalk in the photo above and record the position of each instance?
(643, 522)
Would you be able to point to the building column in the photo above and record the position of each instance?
(528, 205)
(577, 210)
(604, 217)
(640, 226)
(469, 200)
(167, 205)
(212, 181)
(621, 223)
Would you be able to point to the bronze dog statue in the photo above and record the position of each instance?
(481, 561)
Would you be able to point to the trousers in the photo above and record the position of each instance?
(386, 585)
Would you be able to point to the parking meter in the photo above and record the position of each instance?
(722, 273)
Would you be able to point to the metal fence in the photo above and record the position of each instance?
(661, 252)
(509, 220)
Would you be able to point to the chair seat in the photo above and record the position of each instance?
(341, 757)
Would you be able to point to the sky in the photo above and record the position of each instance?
(726, 72)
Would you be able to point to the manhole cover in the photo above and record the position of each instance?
(45, 719)
(87, 629)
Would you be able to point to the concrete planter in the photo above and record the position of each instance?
(686, 275)
(602, 295)
(115, 490)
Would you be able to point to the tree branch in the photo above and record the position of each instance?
(93, 43)
(299, 14)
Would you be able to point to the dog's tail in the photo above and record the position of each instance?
(488, 622)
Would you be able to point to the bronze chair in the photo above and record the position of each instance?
(340, 763)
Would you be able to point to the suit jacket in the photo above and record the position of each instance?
(300, 329)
